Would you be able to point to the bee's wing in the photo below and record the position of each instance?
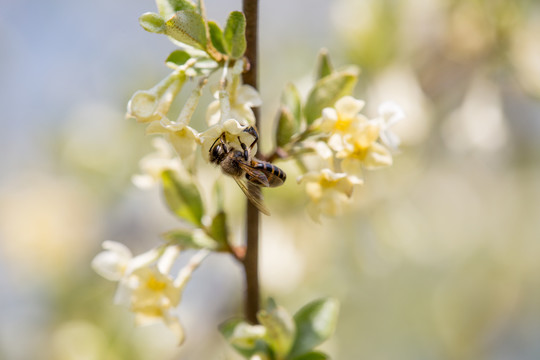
(258, 175)
(254, 194)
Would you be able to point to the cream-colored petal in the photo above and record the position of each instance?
(123, 293)
(233, 127)
(213, 113)
(367, 134)
(143, 260)
(322, 149)
(391, 113)
(328, 120)
(248, 96)
(309, 176)
(336, 142)
(173, 323)
(166, 261)
(314, 190)
(109, 265)
(347, 107)
(184, 142)
(377, 157)
(244, 115)
(142, 106)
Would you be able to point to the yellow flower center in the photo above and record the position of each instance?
(342, 124)
(328, 183)
(155, 285)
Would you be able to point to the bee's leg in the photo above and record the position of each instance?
(252, 131)
(223, 139)
(244, 147)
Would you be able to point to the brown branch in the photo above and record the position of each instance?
(251, 259)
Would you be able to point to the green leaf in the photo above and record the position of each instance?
(189, 239)
(315, 323)
(187, 27)
(286, 126)
(216, 36)
(235, 34)
(327, 91)
(324, 66)
(247, 339)
(280, 328)
(168, 8)
(291, 99)
(183, 198)
(152, 22)
(313, 355)
(178, 58)
(218, 230)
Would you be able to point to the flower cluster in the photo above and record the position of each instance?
(145, 285)
(229, 114)
(350, 143)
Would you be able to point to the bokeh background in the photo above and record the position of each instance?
(437, 257)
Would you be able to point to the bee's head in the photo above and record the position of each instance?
(218, 152)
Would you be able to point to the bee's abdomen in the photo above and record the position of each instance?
(275, 175)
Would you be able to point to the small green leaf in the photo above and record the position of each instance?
(168, 8)
(216, 36)
(315, 323)
(188, 27)
(189, 239)
(218, 230)
(235, 34)
(291, 99)
(247, 339)
(313, 355)
(327, 91)
(178, 58)
(286, 126)
(152, 22)
(183, 198)
(324, 66)
(280, 328)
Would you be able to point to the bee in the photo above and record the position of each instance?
(245, 169)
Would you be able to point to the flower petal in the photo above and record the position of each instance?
(348, 107)
(248, 96)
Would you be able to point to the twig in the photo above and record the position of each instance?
(251, 259)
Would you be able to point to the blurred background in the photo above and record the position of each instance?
(436, 258)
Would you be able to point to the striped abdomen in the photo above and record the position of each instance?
(275, 175)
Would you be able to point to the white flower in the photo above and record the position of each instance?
(343, 116)
(153, 165)
(389, 114)
(234, 134)
(112, 263)
(151, 105)
(327, 191)
(117, 260)
(182, 137)
(361, 150)
(152, 295)
(145, 285)
(241, 98)
(341, 120)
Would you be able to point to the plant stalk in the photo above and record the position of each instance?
(251, 259)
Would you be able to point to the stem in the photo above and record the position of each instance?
(251, 259)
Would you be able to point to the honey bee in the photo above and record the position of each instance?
(245, 169)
